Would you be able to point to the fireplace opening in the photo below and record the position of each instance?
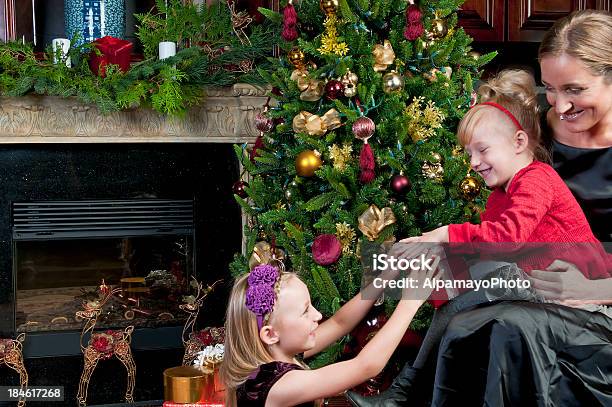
(144, 218)
(64, 252)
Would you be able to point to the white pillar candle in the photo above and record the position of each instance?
(63, 45)
(167, 49)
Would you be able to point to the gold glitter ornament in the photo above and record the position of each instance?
(469, 188)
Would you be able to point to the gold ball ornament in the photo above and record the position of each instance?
(469, 188)
(435, 158)
(307, 162)
(296, 57)
(439, 28)
(392, 82)
(329, 6)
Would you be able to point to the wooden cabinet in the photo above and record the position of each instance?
(518, 20)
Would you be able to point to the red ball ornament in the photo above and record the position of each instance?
(333, 89)
(363, 128)
(239, 189)
(326, 249)
(400, 184)
(263, 123)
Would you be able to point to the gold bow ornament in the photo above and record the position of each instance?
(314, 125)
(383, 56)
(373, 221)
(263, 253)
(312, 89)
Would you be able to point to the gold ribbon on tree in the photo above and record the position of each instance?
(263, 253)
(383, 56)
(314, 125)
(373, 221)
(312, 89)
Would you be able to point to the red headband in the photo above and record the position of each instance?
(505, 111)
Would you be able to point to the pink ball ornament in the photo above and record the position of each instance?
(363, 128)
(326, 249)
(400, 184)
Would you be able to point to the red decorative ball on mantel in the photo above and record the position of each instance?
(334, 89)
(239, 189)
(400, 184)
(326, 249)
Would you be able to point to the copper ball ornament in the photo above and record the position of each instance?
(307, 162)
(296, 57)
(363, 128)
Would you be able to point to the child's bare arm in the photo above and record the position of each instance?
(351, 313)
(300, 386)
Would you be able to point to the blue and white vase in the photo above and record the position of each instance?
(94, 19)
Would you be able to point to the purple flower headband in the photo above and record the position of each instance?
(260, 295)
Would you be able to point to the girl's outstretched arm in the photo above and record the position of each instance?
(351, 313)
(300, 386)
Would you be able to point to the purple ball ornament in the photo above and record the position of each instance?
(400, 184)
(334, 89)
(263, 123)
(363, 128)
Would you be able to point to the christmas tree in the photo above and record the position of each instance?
(360, 144)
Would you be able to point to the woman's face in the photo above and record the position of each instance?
(580, 99)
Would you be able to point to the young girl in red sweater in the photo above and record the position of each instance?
(529, 203)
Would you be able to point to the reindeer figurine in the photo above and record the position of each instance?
(191, 340)
(12, 356)
(104, 345)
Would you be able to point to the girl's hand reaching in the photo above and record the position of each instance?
(439, 235)
(420, 283)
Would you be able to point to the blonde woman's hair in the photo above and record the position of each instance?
(244, 351)
(585, 35)
(515, 90)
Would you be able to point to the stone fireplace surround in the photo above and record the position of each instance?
(55, 124)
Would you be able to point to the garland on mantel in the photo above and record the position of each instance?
(211, 57)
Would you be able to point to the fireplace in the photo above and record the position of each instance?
(143, 217)
(64, 251)
(65, 172)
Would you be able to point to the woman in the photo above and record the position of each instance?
(551, 354)
(543, 354)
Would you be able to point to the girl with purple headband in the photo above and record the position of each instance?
(270, 320)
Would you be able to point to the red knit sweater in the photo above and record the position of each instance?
(537, 207)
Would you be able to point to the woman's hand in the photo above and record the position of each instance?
(439, 235)
(563, 282)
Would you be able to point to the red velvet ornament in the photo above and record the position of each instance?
(326, 249)
(363, 128)
(366, 164)
(263, 123)
(400, 184)
(239, 189)
(259, 143)
(289, 23)
(112, 51)
(333, 89)
(414, 24)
